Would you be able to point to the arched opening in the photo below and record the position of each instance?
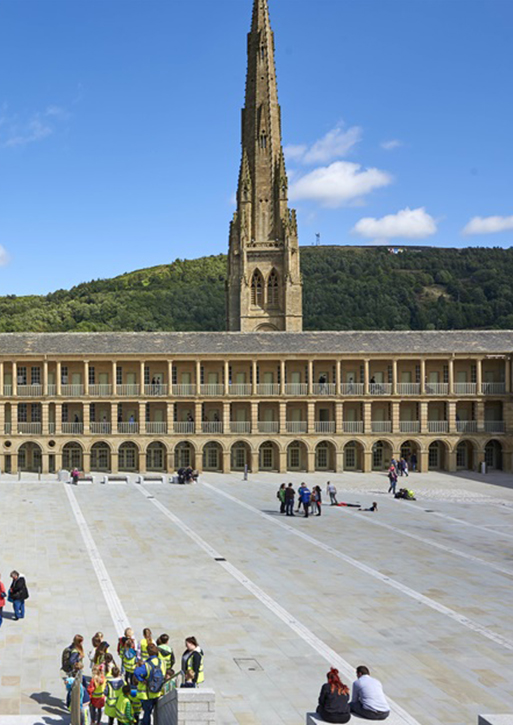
(465, 456)
(353, 456)
(257, 289)
(325, 456)
(437, 456)
(128, 457)
(156, 457)
(30, 457)
(410, 453)
(184, 455)
(381, 456)
(297, 457)
(240, 456)
(213, 457)
(268, 456)
(100, 457)
(493, 455)
(72, 456)
(266, 328)
(273, 289)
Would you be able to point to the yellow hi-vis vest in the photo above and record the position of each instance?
(136, 703)
(112, 691)
(99, 690)
(188, 664)
(129, 663)
(144, 648)
(166, 656)
(142, 687)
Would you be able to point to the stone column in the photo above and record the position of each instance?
(45, 379)
(114, 462)
(114, 378)
(451, 376)
(14, 462)
(422, 377)
(2, 380)
(283, 418)
(170, 379)
(58, 419)
(339, 465)
(451, 462)
(254, 417)
(479, 376)
(198, 416)
(226, 418)
(58, 460)
(480, 415)
(310, 457)
(198, 377)
(86, 377)
(310, 377)
(170, 417)
(282, 461)
(2, 420)
(507, 375)
(142, 365)
(396, 417)
(367, 461)
(283, 376)
(394, 377)
(311, 417)
(14, 379)
(423, 462)
(451, 406)
(367, 418)
(14, 419)
(424, 417)
(226, 377)
(142, 418)
(366, 377)
(114, 418)
(45, 463)
(58, 378)
(86, 417)
(253, 461)
(86, 461)
(339, 417)
(254, 376)
(338, 378)
(226, 461)
(44, 418)
(142, 461)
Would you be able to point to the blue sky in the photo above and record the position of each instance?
(120, 127)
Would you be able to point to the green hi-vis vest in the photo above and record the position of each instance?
(123, 708)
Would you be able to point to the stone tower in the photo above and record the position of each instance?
(264, 291)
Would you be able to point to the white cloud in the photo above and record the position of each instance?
(14, 132)
(489, 225)
(334, 145)
(391, 145)
(340, 183)
(4, 256)
(407, 223)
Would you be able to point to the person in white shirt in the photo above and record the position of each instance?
(368, 700)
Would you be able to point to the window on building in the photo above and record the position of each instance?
(263, 141)
(146, 375)
(257, 289)
(92, 375)
(273, 289)
(35, 376)
(22, 375)
(35, 413)
(92, 412)
(64, 374)
(147, 412)
(119, 375)
(22, 412)
(65, 413)
(446, 373)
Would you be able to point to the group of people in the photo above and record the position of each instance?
(126, 689)
(367, 698)
(311, 500)
(17, 594)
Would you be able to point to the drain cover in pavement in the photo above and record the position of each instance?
(248, 665)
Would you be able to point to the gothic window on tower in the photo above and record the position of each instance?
(257, 289)
(272, 289)
(263, 141)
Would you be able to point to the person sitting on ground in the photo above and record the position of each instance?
(368, 700)
(334, 700)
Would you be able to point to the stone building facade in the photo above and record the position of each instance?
(338, 401)
(263, 395)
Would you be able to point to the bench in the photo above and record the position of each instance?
(495, 720)
(115, 479)
(156, 478)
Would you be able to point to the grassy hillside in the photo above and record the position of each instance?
(344, 288)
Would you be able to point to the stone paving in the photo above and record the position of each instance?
(429, 615)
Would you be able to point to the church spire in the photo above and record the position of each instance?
(263, 235)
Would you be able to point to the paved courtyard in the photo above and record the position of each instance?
(420, 592)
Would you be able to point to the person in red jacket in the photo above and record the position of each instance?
(3, 599)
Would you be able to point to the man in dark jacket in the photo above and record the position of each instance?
(289, 500)
(18, 593)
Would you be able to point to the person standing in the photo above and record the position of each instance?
(192, 660)
(368, 700)
(113, 687)
(392, 477)
(333, 704)
(413, 462)
(280, 495)
(18, 593)
(305, 499)
(96, 691)
(150, 682)
(299, 496)
(3, 599)
(405, 467)
(289, 500)
(316, 500)
(332, 491)
(146, 640)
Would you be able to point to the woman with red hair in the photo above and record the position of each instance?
(334, 700)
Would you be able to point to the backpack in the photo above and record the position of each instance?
(66, 659)
(155, 679)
